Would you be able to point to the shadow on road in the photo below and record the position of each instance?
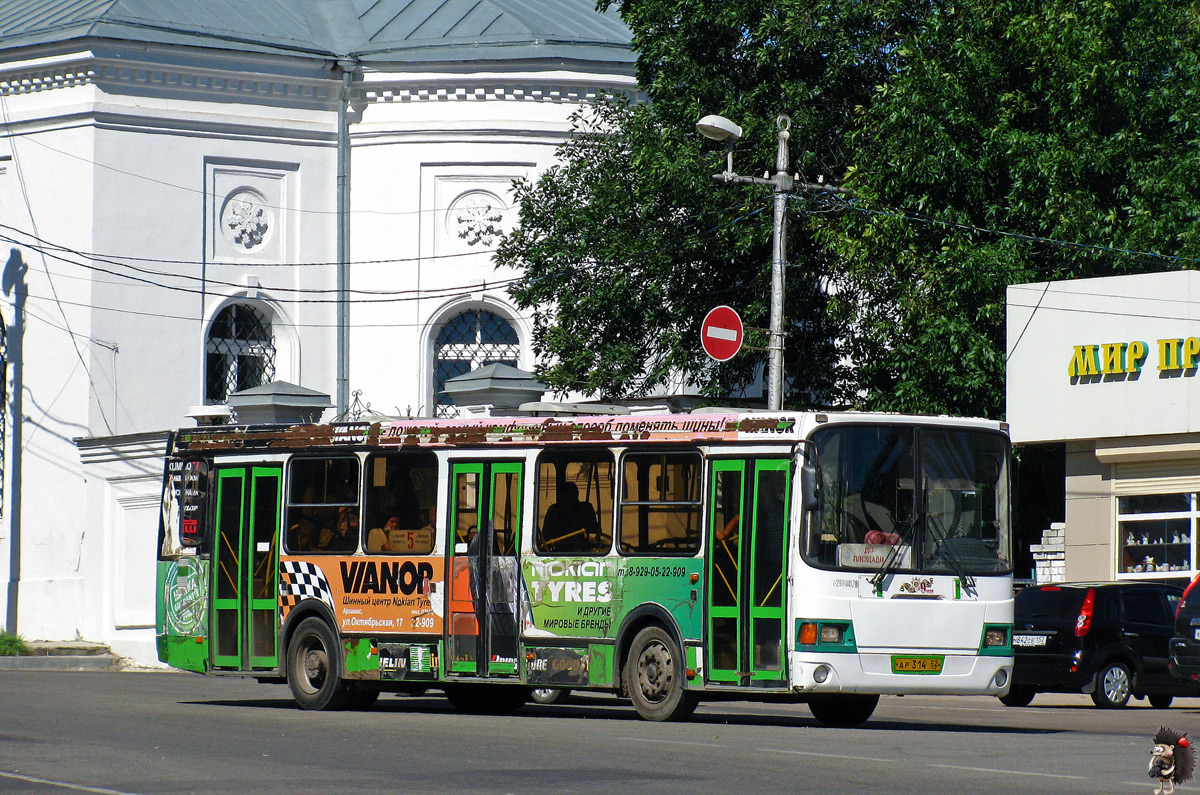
(605, 707)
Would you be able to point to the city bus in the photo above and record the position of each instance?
(824, 558)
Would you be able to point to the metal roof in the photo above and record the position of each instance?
(381, 31)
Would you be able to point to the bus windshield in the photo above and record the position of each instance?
(920, 499)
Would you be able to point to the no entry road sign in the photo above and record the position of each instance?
(721, 333)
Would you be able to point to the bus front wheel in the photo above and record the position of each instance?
(842, 712)
(314, 672)
(654, 677)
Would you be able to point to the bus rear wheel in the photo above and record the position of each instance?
(654, 677)
(314, 672)
(843, 712)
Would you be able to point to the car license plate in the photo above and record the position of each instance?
(1029, 640)
(917, 665)
(1196, 633)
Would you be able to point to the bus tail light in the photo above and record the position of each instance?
(1083, 623)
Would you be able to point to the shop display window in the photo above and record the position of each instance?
(1155, 533)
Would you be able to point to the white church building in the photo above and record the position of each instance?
(200, 197)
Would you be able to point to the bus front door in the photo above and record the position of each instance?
(747, 532)
(483, 569)
(245, 568)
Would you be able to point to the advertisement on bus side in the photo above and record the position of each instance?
(588, 597)
(368, 595)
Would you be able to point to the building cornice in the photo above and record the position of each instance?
(253, 82)
(279, 81)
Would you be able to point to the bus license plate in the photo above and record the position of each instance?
(917, 665)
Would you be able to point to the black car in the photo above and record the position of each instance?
(1185, 646)
(1110, 640)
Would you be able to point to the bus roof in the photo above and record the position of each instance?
(745, 427)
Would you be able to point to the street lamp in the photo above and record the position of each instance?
(718, 128)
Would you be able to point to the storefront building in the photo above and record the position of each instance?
(1110, 368)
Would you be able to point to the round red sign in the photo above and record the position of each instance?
(721, 333)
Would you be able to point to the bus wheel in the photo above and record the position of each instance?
(842, 712)
(313, 667)
(487, 699)
(1017, 697)
(550, 695)
(654, 677)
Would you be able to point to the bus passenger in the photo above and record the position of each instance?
(302, 535)
(570, 523)
(378, 538)
(344, 536)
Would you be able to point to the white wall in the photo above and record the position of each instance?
(425, 145)
(135, 170)
(1046, 321)
(132, 157)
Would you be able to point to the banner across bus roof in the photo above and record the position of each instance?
(496, 430)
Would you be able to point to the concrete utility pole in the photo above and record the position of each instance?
(347, 68)
(718, 128)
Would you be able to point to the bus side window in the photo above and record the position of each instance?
(574, 502)
(322, 510)
(400, 503)
(660, 503)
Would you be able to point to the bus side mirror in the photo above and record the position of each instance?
(810, 487)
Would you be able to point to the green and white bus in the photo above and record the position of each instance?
(824, 558)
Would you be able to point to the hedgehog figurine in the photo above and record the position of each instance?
(1173, 761)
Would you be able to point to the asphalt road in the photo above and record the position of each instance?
(143, 733)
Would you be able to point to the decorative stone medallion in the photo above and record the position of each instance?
(477, 218)
(245, 219)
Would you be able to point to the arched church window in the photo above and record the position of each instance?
(467, 342)
(240, 352)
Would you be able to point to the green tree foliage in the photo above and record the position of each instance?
(627, 244)
(1068, 120)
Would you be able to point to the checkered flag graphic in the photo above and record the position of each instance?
(300, 580)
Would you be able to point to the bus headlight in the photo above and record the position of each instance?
(1001, 678)
(820, 674)
(831, 633)
(824, 635)
(995, 637)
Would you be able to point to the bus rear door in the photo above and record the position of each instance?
(747, 529)
(483, 569)
(245, 568)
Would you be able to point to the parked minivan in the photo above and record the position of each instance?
(1110, 640)
(1185, 646)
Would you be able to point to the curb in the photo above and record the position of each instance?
(61, 662)
(63, 656)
